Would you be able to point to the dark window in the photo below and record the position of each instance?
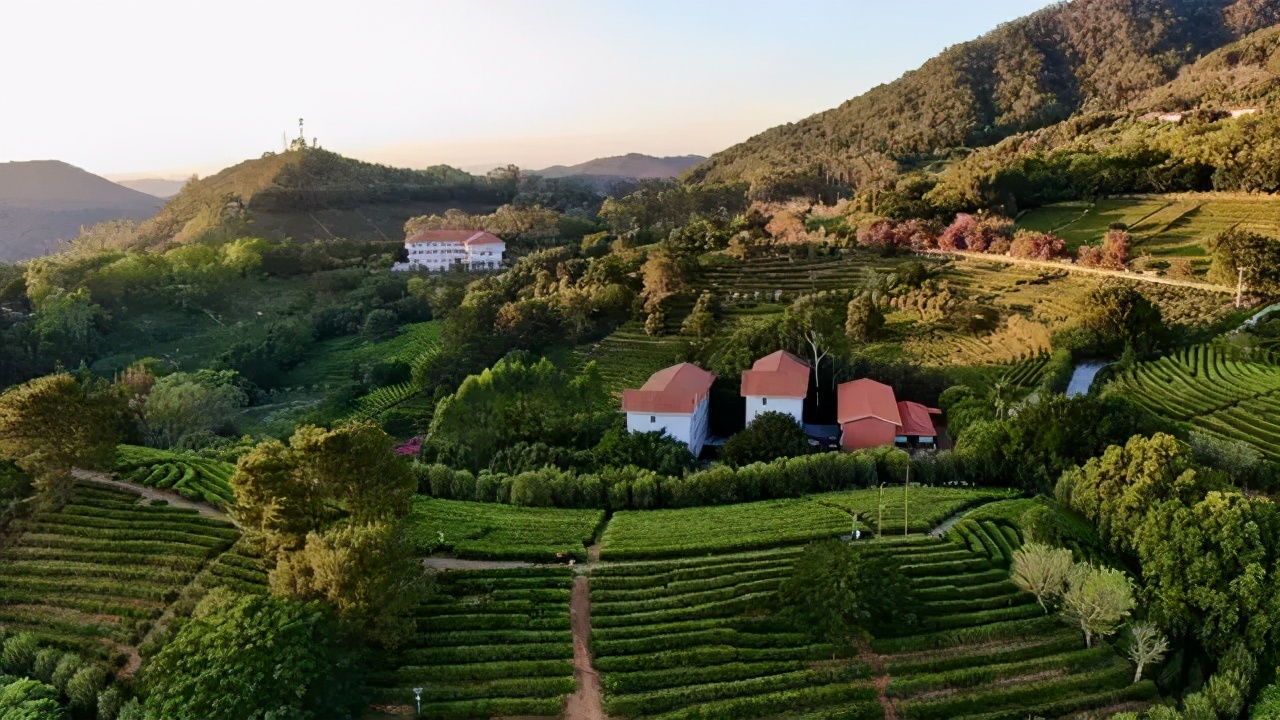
(764, 401)
(653, 419)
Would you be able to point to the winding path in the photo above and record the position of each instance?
(173, 499)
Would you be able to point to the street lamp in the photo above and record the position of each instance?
(417, 696)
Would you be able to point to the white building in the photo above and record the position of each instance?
(675, 400)
(453, 249)
(776, 383)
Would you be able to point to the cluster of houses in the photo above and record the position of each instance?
(437, 250)
(677, 400)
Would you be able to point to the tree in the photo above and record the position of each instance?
(1147, 645)
(27, 699)
(837, 591)
(189, 404)
(1042, 571)
(379, 324)
(819, 325)
(771, 435)
(254, 656)
(55, 423)
(1119, 314)
(1268, 705)
(864, 320)
(1097, 599)
(701, 323)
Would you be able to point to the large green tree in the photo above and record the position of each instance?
(839, 592)
(53, 424)
(770, 436)
(27, 699)
(254, 657)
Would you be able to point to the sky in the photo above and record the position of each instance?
(133, 89)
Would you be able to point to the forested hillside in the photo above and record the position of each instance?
(1089, 55)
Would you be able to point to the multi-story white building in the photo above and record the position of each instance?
(675, 400)
(453, 249)
(776, 383)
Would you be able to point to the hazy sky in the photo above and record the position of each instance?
(168, 88)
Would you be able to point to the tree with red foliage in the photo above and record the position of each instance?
(1036, 245)
(957, 234)
(1115, 249)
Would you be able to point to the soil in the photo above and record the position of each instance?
(446, 563)
(588, 702)
(173, 499)
(876, 661)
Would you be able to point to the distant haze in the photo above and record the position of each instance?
(158, 187)
(631, 165)
(413, 84)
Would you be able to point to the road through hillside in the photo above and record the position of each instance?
(588, 702)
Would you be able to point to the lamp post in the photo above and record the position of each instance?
(417, 697)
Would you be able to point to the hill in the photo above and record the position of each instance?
(1086, 55)
(159, 187)
(45, 201)
(314, 193)
(631, 165)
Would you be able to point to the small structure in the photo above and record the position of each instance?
(870, 416)
(453, 249)
(776, 383)
(1241, 112)
(1173, 117)
(675, 400)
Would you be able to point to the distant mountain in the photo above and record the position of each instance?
(159, 187)
(1085, 56)
(45, 201)
(631, 165)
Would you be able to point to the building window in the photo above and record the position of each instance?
(764, 401)
(652, 419)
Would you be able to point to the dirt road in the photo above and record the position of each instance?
(588, 702)
(172, 498)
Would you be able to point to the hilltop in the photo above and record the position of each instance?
(45, 201)
(631, 165)
(1085, 56)
(314, 193)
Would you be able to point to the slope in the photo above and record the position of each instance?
(1091, 55)
(314, 193)
(631, 165)
(44, 201)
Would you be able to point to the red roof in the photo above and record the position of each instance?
(466, 237)
(866, 398)
(778, 375)
(677, 389)
(916, 420)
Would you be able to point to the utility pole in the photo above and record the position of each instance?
(906, 527)
(1239, 287)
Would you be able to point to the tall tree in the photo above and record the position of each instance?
(1042, 571)
(1097, 600)
(55, 423)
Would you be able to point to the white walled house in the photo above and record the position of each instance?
(776, 383)
(675, 400)
(453, 249)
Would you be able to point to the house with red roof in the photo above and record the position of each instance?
(776, 383)
(870, 416)
(675, 400)
(453, 249)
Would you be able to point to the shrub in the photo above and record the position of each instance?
(19, 654)
(82, 689)
(68, 666)
(770, 436)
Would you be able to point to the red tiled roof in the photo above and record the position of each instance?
(677, 389)
(466, 237)
(916, 420)
(866, 398)
(778, 375)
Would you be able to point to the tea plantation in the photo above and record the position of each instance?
(1238, 399)
(196, 478)
(93, 575)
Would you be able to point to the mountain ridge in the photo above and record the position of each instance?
(636, 166)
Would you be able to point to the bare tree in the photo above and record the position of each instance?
(1148, 646)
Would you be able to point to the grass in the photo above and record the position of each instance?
(502, 532)
(196, 478)
(486, 643)
(1206, 388)
(93, 575)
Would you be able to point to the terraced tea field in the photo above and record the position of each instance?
(690, 638)
(1206, 388)
(627, 357)
(194, 477)
(1162, 225)
(760, 278)
(93, 575)
(487, 643)
(501, 532)
(701, 638)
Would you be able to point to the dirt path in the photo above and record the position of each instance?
(1071, 267)
(447, 563)
(876, 661)
(588, 702)
(173, 499)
